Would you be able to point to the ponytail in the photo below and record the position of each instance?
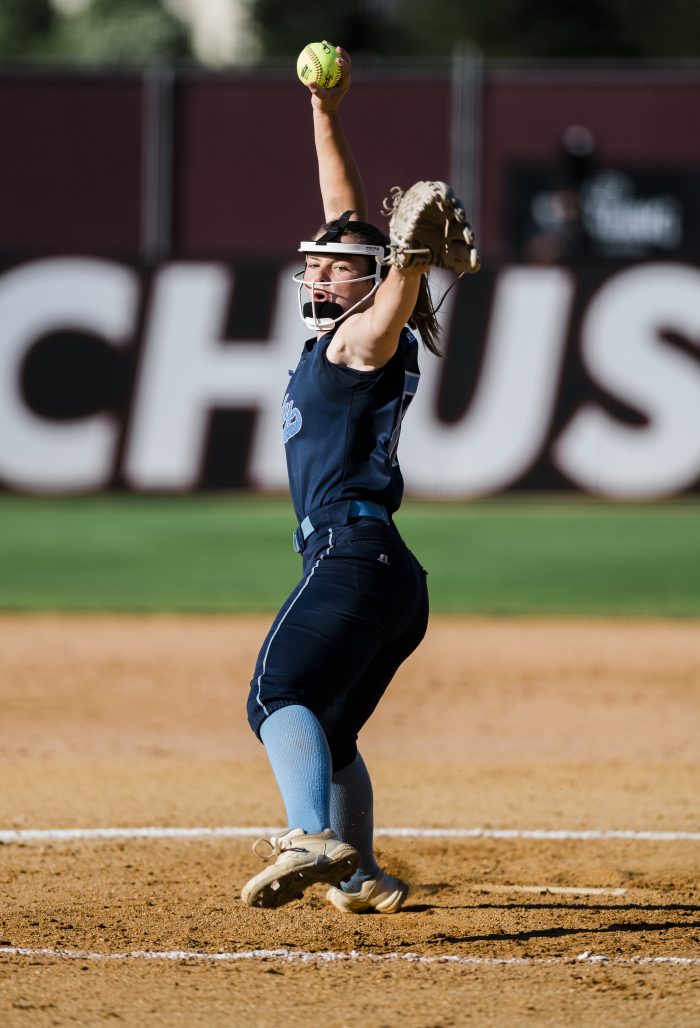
(424, 319)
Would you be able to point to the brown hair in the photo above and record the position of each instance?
(423, 318)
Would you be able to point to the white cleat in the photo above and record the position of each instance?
(385, 894)
(301, 861)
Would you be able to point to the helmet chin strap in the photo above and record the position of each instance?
(321, 316)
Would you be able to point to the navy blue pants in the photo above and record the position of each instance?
(359, 610)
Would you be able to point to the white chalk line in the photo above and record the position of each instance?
(327, 957)
(556, 890)
(24, 835)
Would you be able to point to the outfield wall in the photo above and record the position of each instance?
(148, 318)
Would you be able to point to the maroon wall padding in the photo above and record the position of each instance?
(70, 165)
(243, 171)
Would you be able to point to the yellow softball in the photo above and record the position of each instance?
(316, 63)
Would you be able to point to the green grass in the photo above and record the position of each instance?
(233, 554)
(574, 557)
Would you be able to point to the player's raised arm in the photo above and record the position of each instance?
(342, 188)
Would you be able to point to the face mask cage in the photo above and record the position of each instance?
(322, 317)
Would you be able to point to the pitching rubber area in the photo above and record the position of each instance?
(535, 781)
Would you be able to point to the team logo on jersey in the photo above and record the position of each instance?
(291, 418)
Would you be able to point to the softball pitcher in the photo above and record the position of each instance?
(361, 606)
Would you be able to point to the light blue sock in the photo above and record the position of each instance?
(298, 752)
(352, 817)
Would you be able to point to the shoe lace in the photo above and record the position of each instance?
(266, 849)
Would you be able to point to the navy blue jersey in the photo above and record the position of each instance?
(341, 427)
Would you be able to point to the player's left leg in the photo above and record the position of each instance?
(298, 752)
(309, 851)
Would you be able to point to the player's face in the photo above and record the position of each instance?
(333, 278)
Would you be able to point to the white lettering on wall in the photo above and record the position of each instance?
(88, 295)
(624, 354)
(188, 370)
(505, 427)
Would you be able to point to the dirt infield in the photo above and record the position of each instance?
(557, 727)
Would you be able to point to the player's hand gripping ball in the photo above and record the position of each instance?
(316, 64)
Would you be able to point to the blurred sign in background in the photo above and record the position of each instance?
(158, 172)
